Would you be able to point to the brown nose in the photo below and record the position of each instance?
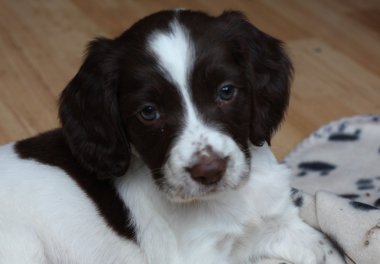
(209, 169)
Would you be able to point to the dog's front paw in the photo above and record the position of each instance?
(298, 243)
(308, 246)
(318, 250)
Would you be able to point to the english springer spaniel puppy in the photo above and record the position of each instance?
(163, 155)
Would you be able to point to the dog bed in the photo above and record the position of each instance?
(336, 176)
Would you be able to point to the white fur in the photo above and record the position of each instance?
(46, 218)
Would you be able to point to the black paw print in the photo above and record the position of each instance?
(365, 184)
(341, 135)
(323, 168)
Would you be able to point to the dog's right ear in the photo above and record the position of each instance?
(89, 113)
(268, 70)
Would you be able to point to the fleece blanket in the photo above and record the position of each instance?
(336, 176)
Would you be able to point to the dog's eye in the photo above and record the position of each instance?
(149, 113)
(226, 92)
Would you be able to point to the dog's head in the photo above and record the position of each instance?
(188, 93)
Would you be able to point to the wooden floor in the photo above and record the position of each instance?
(335, 46)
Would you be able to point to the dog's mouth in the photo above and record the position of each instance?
(193, 192)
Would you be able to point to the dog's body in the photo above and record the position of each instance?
(161, 156)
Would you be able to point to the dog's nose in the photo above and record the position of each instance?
(209, 169)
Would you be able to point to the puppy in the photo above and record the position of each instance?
(162, 156)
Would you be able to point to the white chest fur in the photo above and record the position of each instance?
(211, 230)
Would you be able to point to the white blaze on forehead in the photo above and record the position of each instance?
(175, 53)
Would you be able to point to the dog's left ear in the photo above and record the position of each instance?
(268, 72)
(89, 113)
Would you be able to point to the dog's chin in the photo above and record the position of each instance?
(200, 193)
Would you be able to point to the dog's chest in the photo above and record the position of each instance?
(196, 242)
(208, 239)
(197, 233)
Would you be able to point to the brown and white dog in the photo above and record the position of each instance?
(163, 155)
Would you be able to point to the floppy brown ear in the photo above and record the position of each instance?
(268, 72)
(89, 113)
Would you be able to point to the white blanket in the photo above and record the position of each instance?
(337, 173)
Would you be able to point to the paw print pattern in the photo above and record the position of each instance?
(296, 197)
(351, 196)
(319, 167)
(377, 203)
(343, 135)
(366, 187)
(343, 139)
(365, 184)
(362, 206)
